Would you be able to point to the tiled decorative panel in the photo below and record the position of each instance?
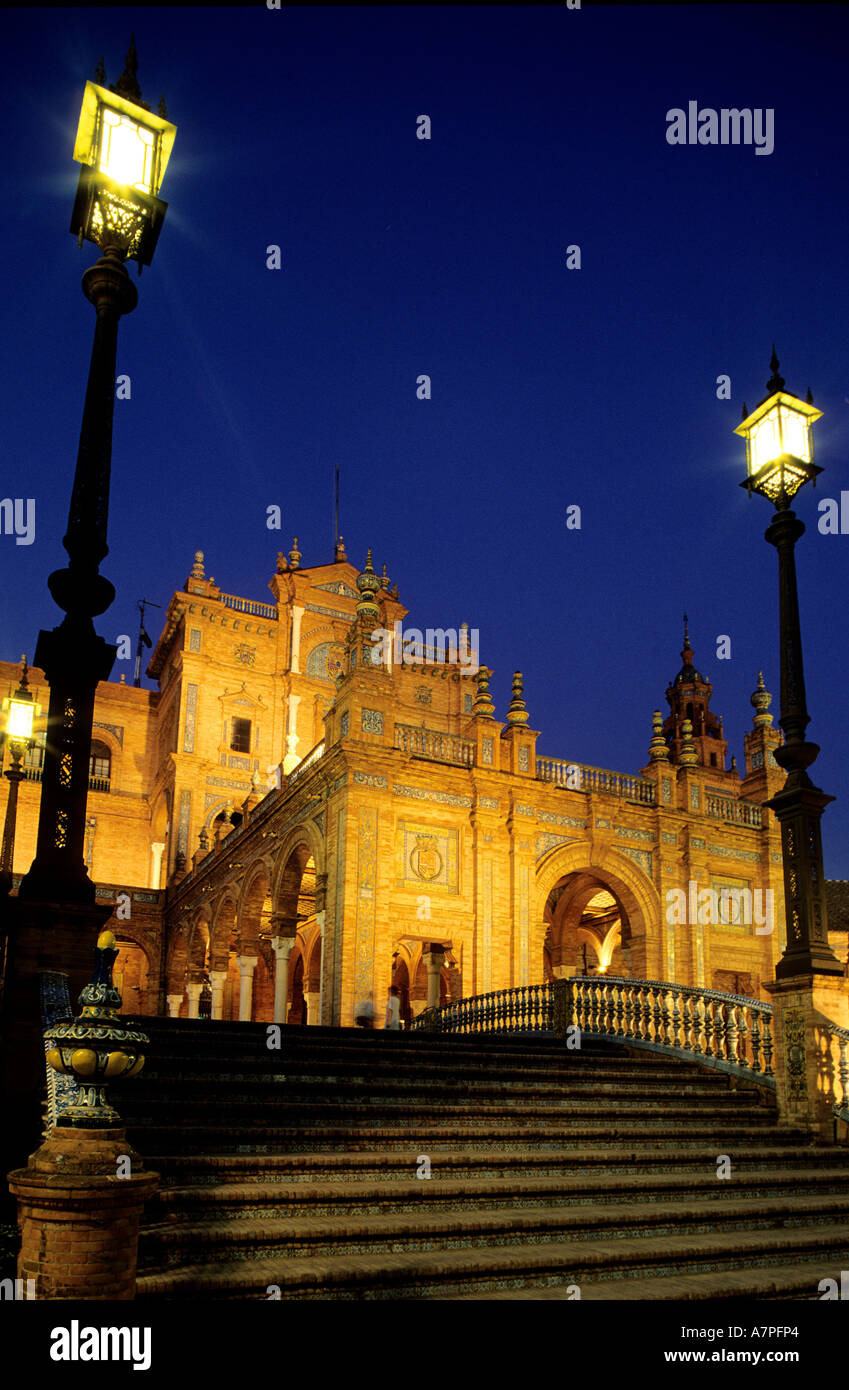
(426, 857)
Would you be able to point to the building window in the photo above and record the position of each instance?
(713, 760)
(99, 767)
(240, 735)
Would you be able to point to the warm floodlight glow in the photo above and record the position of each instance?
(779, 446)
(19, 720)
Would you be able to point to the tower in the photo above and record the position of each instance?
(689, 697)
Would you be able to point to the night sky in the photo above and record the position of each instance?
(551, 386)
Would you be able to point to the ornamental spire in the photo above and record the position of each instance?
(776, 381)
(658, 748)
(128, 83)
(517, 712)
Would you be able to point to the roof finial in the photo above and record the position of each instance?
(295, 556)
(517, 712)
(100, 74)
(776, 381)
(197, 567)
(339, 556)
(810, 396)
(687, 646)
(745, 411)
(658, 748)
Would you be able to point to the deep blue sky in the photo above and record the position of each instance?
(447, 257)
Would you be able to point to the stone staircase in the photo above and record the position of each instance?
(296, 1170)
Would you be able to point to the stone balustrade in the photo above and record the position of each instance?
(436, 747)
(582, 777)
(738, 812)
(306, 763)
(249, 605)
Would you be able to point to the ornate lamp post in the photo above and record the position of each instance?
(18, 736)
(780, 460)
(124, 149)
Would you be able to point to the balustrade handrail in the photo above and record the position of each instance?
(306, 762)
(249, 605)
(434, 745)
(624, 784)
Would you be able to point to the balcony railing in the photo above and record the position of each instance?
(249, 605)
(95, 784)
(738, 812)
(435, 747)
(581, 777)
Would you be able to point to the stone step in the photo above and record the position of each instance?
(783, 1281)
(268, 1085)
(295, 1237)
(445, 1273)
(586, 1165)
(237, 1201)
(499, 1133)
(313, 1109)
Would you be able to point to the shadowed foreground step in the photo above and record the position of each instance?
(549, 1168)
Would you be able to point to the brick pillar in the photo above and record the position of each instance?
(79, 1217)
(802, 1005)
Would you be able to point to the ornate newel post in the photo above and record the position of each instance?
(809, 987)
(82, 1193)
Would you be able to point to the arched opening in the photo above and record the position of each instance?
(401, 978)
(588, 929)
(130, 975)
(296, 918)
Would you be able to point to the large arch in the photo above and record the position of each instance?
(585, 870)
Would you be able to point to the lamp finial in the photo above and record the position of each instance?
(810, 397)
(776, 381)
(128, 83)
(100, 73)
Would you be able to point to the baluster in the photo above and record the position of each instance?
(767, 1043)
(843, 1072)
(756, 1042)
(686, 1021)
(743, 1038)
(676, 1017)
(593, 992)
(605, 1021)
(627, 1010)
(731, 1034)
(719, 1029)
(708, 1027)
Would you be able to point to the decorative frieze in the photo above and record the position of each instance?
(669, 837)
(545, 843)
(116, 730)
(370, 779)
(641, 857)
(419, 794)
(553, 819)
(724, 853)
(647, 835)
(372, 721)
(426, 856)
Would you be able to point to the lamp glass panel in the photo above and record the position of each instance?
(795, 435)
(765, 441)
(19, 722)
(126, 151)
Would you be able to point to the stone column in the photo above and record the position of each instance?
(79, 1225)
(217, 981)
(175, 1003)
(291, 759)
(313, 1002)
(297, 614)
(282, 947)
(157, 849)
(194, 992)
(247, 965)
(434, 957)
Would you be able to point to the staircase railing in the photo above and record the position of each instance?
(729, 1032)
(833, 1066)
(527, 1009)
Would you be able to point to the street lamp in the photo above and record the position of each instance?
(18, 735)
(124, 149)
(780, 458)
